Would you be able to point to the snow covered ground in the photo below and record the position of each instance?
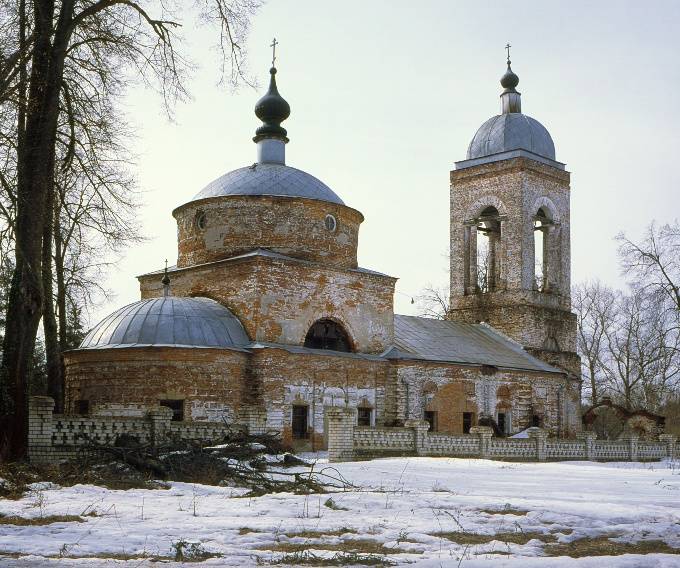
(407, 511)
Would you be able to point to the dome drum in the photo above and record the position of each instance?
(218, 228)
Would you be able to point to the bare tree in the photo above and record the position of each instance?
(654, 262)
(641, 361)
(594, 304)
(105, 40)
(433, 302)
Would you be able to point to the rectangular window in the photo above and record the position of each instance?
(536, 421)
(467, 422)
(364, 416)
(177, 407)
(430, 416)
(502, 423)
(299, 425)
(82, 407)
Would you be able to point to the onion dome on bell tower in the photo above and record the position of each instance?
(511, 100)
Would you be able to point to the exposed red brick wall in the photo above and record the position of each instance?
(278, 300)
(287, 225)
(129, 381)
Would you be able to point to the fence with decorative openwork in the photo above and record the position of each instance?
(346, 441)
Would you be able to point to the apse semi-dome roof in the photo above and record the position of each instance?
(511, 131)
(269, 179)
(168, 321)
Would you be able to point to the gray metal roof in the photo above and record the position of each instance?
(269, 179)
(168, 321)
(511, 131)
(458, 342)
(262, 253)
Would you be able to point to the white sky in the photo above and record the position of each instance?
(385, 97)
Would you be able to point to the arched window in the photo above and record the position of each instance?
(488, 241)
(328, 334)
(542, 225)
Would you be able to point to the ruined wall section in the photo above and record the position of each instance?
(129, 381)
(277, 300)
(450, 390)
(222, 227)
(320, 382)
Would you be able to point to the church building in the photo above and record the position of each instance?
(267, 319)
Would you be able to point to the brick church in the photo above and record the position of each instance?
(267, 320)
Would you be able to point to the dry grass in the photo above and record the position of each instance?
(505, 511)
(602, 546)
(306, 558)
(38, 521)
(359, 546)
(321, 534)
(513, 537)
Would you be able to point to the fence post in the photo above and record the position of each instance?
(541, 437)
(588, 439)
(484, 435)
(669, 440)
(160, 418)
(340, 434)
(420, 428)
(632, 440)
(40, 428)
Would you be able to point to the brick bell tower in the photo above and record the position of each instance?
(510, 250)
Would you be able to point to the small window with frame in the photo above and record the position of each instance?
(364, 416)
(177, 407)
(199, 220)
(331, 223)
(82, 407)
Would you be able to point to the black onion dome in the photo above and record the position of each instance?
(272, 109)
(509, 80)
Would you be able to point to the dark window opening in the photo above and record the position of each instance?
(502, 423)
(177, 407)
(364, 416)
(82, 407)
(327, 334)
(299, 425)
(430, 416)
(467, 422)
(536, 421)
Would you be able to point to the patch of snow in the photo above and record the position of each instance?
(402, 503)
(522, 434)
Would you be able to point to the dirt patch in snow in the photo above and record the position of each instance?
(518, 537)
(603, 546)
(38, 521)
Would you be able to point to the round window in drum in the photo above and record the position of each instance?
(199, 220)
(330, 223)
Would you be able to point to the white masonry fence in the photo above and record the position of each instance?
(347, 441)
(54, 437)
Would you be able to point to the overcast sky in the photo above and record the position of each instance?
(385, 97)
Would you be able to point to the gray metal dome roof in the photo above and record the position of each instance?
(168, 321)
(269, 179)
(511, 131)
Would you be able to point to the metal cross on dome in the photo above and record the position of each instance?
(507, 48)
(273, 46)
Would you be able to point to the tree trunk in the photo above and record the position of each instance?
(61, 284)
(35, 178)
(54, 387)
